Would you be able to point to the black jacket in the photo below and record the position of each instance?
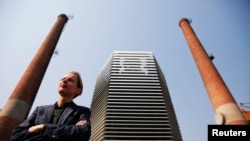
(64, 130)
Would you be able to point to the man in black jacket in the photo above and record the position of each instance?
(62, 121)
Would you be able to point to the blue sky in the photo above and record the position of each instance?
(100, 27)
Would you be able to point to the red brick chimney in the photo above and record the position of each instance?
(225, 107)
(20, 101)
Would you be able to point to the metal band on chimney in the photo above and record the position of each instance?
(15, 109)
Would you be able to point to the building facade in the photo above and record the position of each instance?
(131, 100)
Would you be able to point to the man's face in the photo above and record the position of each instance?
(68, 86)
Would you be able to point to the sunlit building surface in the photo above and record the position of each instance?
(131, 101)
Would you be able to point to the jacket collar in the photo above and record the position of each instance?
(67, 111)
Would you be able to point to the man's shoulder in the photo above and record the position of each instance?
(44, 106)
(81, 108)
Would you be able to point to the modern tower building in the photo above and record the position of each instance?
(131, 100)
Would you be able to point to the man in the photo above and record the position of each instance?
(64, 120)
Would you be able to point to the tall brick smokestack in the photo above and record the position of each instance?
(225, 107)
(20, 101)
